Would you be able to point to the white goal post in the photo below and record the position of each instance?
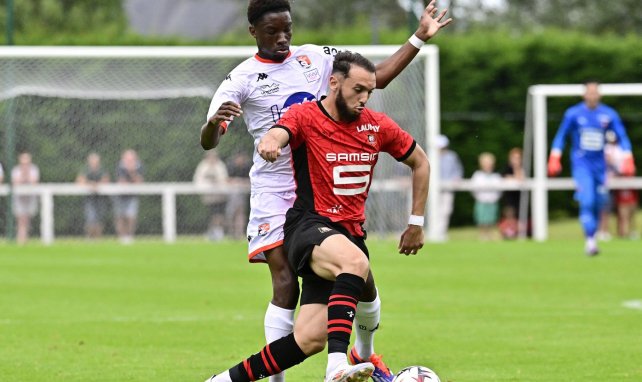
(124, 77)
(536, 142)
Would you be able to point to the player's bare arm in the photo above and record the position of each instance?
(269, 147)
(412, 239)
(431, 22)
(216, 126)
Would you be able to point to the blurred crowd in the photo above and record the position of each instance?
(227, 211)
(496, 213)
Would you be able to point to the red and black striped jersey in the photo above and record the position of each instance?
(334, 161)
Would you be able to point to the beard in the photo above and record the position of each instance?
(345, 113)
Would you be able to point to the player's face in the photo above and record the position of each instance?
(354, 92)
(592, 95)
(273, 32)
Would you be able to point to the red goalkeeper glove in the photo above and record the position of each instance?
(628, 166)
(554, 164)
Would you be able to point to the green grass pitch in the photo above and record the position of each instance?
(496, 311)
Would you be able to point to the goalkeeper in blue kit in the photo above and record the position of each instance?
(587, 123)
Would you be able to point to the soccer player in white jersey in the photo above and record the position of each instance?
(261, 89)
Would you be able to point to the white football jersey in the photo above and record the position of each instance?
(265, 90)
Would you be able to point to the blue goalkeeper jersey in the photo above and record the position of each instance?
(587, 128)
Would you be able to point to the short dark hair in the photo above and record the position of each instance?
(591, 81)
(257, 8)
(344, 59)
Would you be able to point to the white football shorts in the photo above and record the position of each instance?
(267, 217)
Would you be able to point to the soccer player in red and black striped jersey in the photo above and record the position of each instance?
(335, 145)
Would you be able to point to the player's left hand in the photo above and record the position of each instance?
(431, 21)
(412, 240)
(628, 166)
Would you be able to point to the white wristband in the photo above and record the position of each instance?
(416, 220)
(416, 41)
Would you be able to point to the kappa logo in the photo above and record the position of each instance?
(229, 77)
(262, 76)
(304, 61)
(324, 229)
(264, 229)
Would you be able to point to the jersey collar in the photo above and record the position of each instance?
(267, 61)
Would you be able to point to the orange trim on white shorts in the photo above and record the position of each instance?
(251, 256)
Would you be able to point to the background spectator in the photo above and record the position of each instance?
(509, 224)
(24, 206)
(1, 173)
(211, 171)
(129, 171)
(238, 169)
(486, 202)
(625, 200)
(450, 169)
(93, 175)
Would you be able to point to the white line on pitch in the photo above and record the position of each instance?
(633, 304)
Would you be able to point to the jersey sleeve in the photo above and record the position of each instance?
(233, 88)
(620, 131)
(292, 121)
(396, 141)
(562, 131)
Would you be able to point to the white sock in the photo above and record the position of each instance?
(334, 361)
(223, 377)
(366, 323)
(278, 323)
(590, 242)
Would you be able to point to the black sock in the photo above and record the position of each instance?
(342, 307)
(272, 359)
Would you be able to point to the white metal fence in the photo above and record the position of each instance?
(169, 192)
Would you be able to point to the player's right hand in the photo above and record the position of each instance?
(554, 164)
(268, 148)
(226, 113)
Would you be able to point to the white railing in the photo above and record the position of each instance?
(169, 191)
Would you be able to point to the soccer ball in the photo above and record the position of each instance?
(416, 374)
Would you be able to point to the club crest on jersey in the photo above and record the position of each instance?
(604, 120)
(312, 75)
(371, 139)
(269, 89)
(304, 61)
(264, 229)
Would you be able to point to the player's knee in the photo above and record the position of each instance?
(357, 263)
(311, 342)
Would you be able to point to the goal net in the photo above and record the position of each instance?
(60, 104)
(536, 145)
